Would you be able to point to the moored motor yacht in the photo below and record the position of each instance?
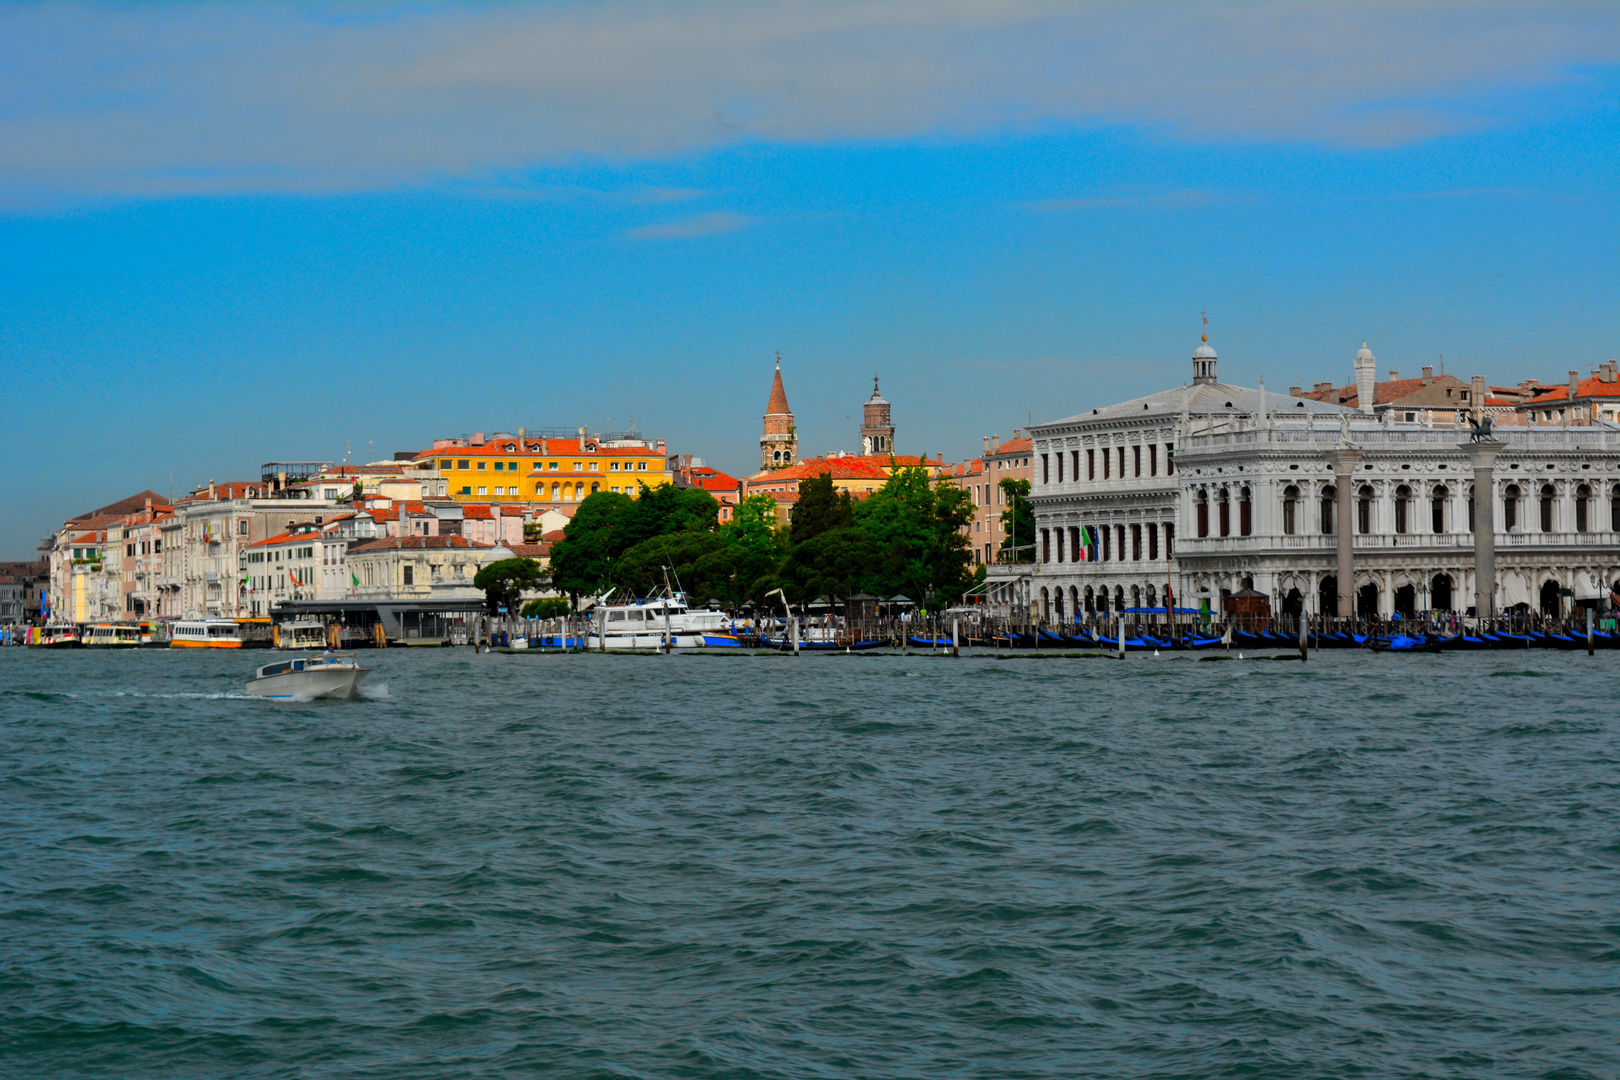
(301, 635)
(658, 621)
(54, 637)
(327, 675)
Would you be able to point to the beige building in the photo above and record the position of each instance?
(421, 567)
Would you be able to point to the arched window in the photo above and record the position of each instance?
(1152, 596)
(1364, 510)
(1225, 513)
(1583, 515)
(1547, 494)
(1091, 601)
(1290, 510)
(1203, 510)
(1437, 509)
(1119, 596)
(595, 487)
(1245, 513)
(1136, 596)
(1510, 508)
(1330, 496)
(1403, 500)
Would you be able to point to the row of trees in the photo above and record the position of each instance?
(907, 537)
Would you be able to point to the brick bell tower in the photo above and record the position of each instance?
(877, 429)
(779, 445)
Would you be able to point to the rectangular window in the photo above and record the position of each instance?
(554, 465)
(1121, 450)
(462, 463)
(444, 464)
(500, 466)
(1046, 474)
(1107, 458)
(1136, 452)
(1169, 540)
(1091, 464)
(1153, 459)
(1136, 542)
(1153, 541)
(1060, 480)
(410, 574)
(483, 491)
(613, 467)
(593, 466)
(641, 466)
(466, 490)
(482, 465)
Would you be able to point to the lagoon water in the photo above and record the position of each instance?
(834, 866)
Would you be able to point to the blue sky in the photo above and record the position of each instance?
(237, 234)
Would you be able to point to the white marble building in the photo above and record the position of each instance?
(1213, 488)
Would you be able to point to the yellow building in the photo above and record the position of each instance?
(545, 470)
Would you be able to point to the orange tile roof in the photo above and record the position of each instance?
(1013, 446)
(477, 513)
(554, 448)
(842, 468)
(1593, 387)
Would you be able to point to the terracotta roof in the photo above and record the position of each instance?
(511, 511)
(1593, 387)
(841, 468)
(778, 403)
(530, 551)
(554, 448)
(553, 536)
(287, 537)
(713, 480)
(1013, 446)
(90, 538)
(415, 543)
(477, 513)
(124, 506)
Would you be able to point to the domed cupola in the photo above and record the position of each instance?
(1203, 359)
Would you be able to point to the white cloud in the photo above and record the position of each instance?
(135, 100)
(691, 228)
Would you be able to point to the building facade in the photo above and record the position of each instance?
(1203, 491)
(544, 469)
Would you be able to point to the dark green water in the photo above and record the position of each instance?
(832, 866)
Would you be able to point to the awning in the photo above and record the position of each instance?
(1513, 591)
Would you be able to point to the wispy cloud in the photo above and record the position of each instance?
(137, 100)
(691, 228)
(1158, 200)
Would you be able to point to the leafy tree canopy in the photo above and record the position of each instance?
(546, 607)
(821, 507)
(583, 559)
(504, 580)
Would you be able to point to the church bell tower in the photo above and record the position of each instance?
(877, 428)
(779, 445)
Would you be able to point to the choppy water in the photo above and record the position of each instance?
(832, 866)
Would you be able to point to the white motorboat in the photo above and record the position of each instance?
(328, 675)
(660, 621)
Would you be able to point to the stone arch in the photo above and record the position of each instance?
(1550, 603)
(1367, 600)
(1440, 592)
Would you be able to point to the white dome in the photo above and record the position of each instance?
(1365, 353)
(1204, 352)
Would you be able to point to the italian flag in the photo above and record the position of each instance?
(1085, 545)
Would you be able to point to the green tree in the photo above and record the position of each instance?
(504, 580)
(916, 528)
(1017, 522)
(582, 561)
(546, 607)
(821, 508)
(663, 510)
(838, 562)
(640, 571)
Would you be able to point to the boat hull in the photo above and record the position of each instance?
(326, 683)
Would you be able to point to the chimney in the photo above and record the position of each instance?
(1366, 370)
(987, 444)
(1394, 376)
(1321, 387)
(1295, 391)
(661, 449)
(1476, 396)
(1574, 385)
(1428, 374)
(543, 449)
(210, 487)
(522, 432)
(477, 439)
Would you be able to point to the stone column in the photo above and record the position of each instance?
(1483, 457)
(1344, 461)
